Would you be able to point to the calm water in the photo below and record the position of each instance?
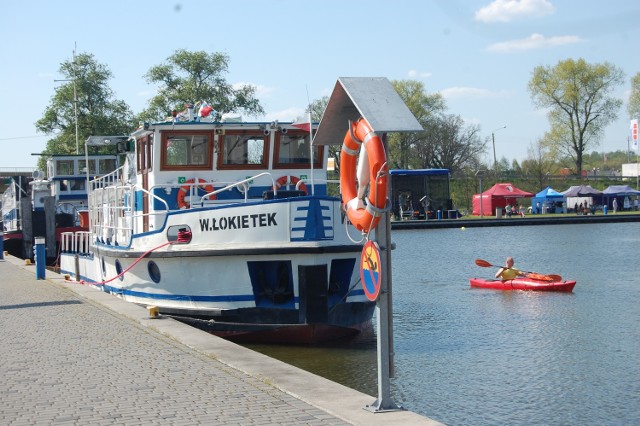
(483, 357)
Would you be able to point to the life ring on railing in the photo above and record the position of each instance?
(371, 170)
(291, 180)
(181, 198)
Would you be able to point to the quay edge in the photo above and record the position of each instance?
(333, 398)
(515, 221)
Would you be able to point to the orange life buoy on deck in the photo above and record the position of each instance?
(181, 198)
(291, 180)
(373, 158)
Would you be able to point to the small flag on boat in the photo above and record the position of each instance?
(205, 110)
(301, 124)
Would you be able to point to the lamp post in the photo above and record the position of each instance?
(479, 175)
(493, 140)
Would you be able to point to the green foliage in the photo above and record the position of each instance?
(577, 95)
(188, 77)
(634, 97)
(97, 111)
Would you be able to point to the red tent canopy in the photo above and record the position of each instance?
(499, 195)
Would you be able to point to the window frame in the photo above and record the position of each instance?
(208, 164)
(265, 151)
(317, 161)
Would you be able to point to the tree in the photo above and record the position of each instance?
(580, 106)
(423, 106)
(538, 163)
(317, 107)
(188, 77)
(634, 98)
(98, 111)
(448, 144)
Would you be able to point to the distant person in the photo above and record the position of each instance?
(576, 209)
(538, 209)
(626, 205)
(508, 272)
(614, 205)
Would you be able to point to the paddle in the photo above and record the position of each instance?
(550, 277)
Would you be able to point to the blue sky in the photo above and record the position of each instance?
(479, 54)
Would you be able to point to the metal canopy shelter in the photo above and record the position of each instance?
(373, 98)
(105, 140)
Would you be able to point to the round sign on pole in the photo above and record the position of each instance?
(371, 270)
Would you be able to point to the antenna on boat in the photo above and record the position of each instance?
(75, 95)
(310, 143)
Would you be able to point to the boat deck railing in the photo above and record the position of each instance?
(114, 217)
(76, 242)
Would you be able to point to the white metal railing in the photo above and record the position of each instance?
(111, 208)
(242, 183)
(75, 242)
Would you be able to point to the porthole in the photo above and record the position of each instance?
(154, 271)
(104, 268)
(119, 270)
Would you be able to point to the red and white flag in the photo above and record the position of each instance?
(301, 124)
(634, 133)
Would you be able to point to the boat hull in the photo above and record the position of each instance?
(523, 283)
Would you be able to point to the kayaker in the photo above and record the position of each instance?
(508, 272)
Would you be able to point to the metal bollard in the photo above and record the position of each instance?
(40, 258)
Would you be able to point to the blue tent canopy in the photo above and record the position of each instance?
(549, 200)
(549, 192)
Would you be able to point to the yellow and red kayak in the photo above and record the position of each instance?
(523, 283)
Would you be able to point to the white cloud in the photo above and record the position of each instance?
(261, 91)
(534, 41)
(418, 74)
(470, 93)
(509, 10)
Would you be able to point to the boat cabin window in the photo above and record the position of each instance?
(93, 170)
(243, 150)
(186, 150)
(106, 165)
(292, 151)
(64, 167)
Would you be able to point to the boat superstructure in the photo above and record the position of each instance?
(46, 207)
(224, 223)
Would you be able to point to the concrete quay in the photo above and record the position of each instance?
(73, 355)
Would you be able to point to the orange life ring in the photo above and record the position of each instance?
(291, 180)
(181, 198)
(364, 218)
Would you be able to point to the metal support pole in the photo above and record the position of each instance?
(40, 258)
(384, 317)
(2, 246)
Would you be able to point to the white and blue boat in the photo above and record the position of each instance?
(227, 225)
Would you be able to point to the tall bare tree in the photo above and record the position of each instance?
(424, 107)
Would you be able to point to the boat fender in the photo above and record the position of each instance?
(371, 170)
(181, 198)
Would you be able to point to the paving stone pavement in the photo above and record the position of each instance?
(67, 358)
